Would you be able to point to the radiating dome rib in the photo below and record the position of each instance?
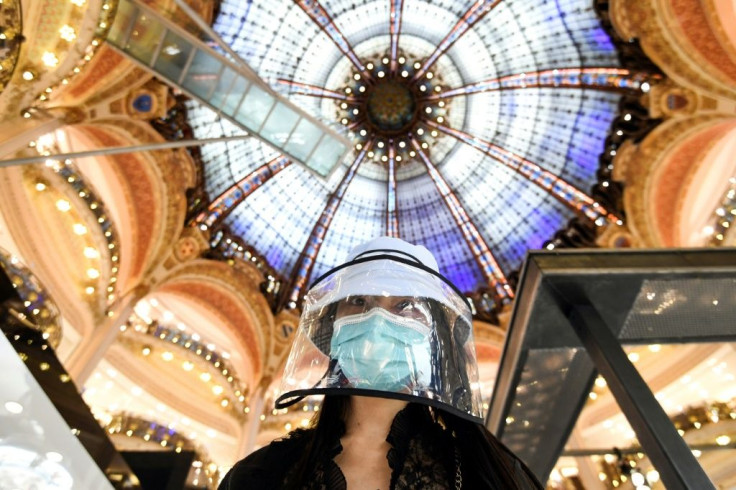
(305, 266)
(322, 18)
(224, 204)
(475, 13)
(554, 185)
(392, 213)
(395, 15)
(494, 276)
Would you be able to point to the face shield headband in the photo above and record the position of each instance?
(386, 326)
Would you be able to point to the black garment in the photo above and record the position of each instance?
(423, 455)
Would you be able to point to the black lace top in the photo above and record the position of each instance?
(422, 455)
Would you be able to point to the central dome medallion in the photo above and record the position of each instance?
(389, 107)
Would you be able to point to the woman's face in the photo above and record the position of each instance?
(403, 306)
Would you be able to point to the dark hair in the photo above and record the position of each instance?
(486, 463)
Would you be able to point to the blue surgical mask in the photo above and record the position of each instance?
(382, 351)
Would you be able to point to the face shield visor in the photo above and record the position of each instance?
(385, 326)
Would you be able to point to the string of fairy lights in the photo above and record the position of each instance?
(723, 217)
(39, 307)
(203, 472)
(32, 70)
(67, 171)
(191, 345)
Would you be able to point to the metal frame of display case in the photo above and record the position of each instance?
(574, 311)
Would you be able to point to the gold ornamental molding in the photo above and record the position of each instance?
(11, 38)
(685, 38)
(153, 190)
(234, 298)
(640, 167)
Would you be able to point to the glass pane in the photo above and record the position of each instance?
(202, 74)
(303, 139)
(280, 123)
(220, 97)
(173, 57)
(123, 18)
(144, 38)
(326, 156)
(696, 386)
(255, 108)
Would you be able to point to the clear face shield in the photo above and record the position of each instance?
(385, 326)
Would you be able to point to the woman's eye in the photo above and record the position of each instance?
(357, 301)
(405, 306)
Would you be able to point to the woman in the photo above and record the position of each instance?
(388, 341)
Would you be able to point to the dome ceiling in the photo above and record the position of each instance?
(477, 128)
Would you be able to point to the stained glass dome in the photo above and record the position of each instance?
(478, 131)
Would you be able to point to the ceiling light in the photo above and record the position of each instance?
(167, 356)
(54, 457)
(402, 59)
(217, 390)
(49, 59)
(381, 74)
(356, 76)
(369, 66)
(28, 75)
(89, 290)
(417, 65)
(91, 252)
(93, 273)
(404, 73)
(429, 75)
(40, 186)
(67, 33)
(187, 366)
(146, 351)
(13, 407)
(79, 229)
(385, 60)
(205, 377)
(63, 205)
